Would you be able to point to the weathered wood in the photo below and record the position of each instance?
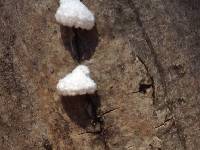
(144, 56)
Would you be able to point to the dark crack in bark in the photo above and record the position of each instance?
(102, 133)
(160, 71)
(164, 123)
(150, 46)
(98, 118)
(151, 78)
(108, 111)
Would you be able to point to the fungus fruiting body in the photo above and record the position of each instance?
(78, 82)
(73, 13)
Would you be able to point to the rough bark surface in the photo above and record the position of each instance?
(144, 56)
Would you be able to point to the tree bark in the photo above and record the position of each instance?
(144, 56)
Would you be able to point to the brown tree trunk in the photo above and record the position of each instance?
(144, 56)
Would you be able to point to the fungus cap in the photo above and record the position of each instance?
(73, 13)
(82, 68)
(78, 82)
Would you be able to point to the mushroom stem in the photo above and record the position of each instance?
(75, 45)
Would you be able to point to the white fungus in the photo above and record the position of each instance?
(78, 82)
(73, 13)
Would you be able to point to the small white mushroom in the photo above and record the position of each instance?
(73, 13)
(78, 82)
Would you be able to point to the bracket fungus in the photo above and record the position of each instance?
(78, 82)
(73, 13)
